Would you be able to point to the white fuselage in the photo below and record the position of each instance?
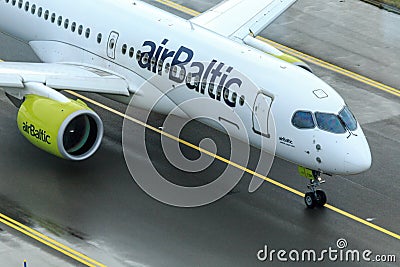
(108, 34)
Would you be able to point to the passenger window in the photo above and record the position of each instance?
(138, 55)
(131, 52)
(80, 30)
(241, 100)
(124, 49)
(303, 120)
(59, 21)
(87, 33)
(160, 64)
(46, 15)
(66, 23)
(145, 58)
(218, 94)
(189, 78)
(99, 37)
(14, 2)
(234, 97)
(20, 3)
(226, 91)
(167, 67)
(73, 26)
(174, 70)
(26, 6)
(40, 12)
(53, 18)
(182, 74)
(329, 122)
(33, 9)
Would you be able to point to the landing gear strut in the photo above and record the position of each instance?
(316, 197)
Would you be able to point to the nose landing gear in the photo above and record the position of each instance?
(316, 197)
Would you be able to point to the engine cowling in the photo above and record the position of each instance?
(294, 60)
(269, 49)
(68, 130)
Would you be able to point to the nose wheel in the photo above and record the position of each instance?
(315, 197)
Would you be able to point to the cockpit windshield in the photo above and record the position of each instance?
(348, 119)
(329, 122)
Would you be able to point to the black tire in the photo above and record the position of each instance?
(310, 200)
(321, 198)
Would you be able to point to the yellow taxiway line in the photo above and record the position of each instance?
(301, 55)
(325, 65)
(332, 67)
(269, 180)
(49, 242)
(179, 7)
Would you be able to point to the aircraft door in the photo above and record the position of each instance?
(261, 114)
(112, 44)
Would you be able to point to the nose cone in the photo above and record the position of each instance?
(358, 159)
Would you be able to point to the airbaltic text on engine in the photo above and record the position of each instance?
(217, 89)
(37, 133)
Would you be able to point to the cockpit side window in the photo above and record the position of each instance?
(303, 120)
(330, 123)
(348, 119)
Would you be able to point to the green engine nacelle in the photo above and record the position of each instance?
(68, 130)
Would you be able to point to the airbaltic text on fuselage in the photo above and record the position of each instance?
(212, 78)
(37, 133)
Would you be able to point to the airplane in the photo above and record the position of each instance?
(113, 47)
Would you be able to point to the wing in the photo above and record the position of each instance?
(60, 77)
(238, 18)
